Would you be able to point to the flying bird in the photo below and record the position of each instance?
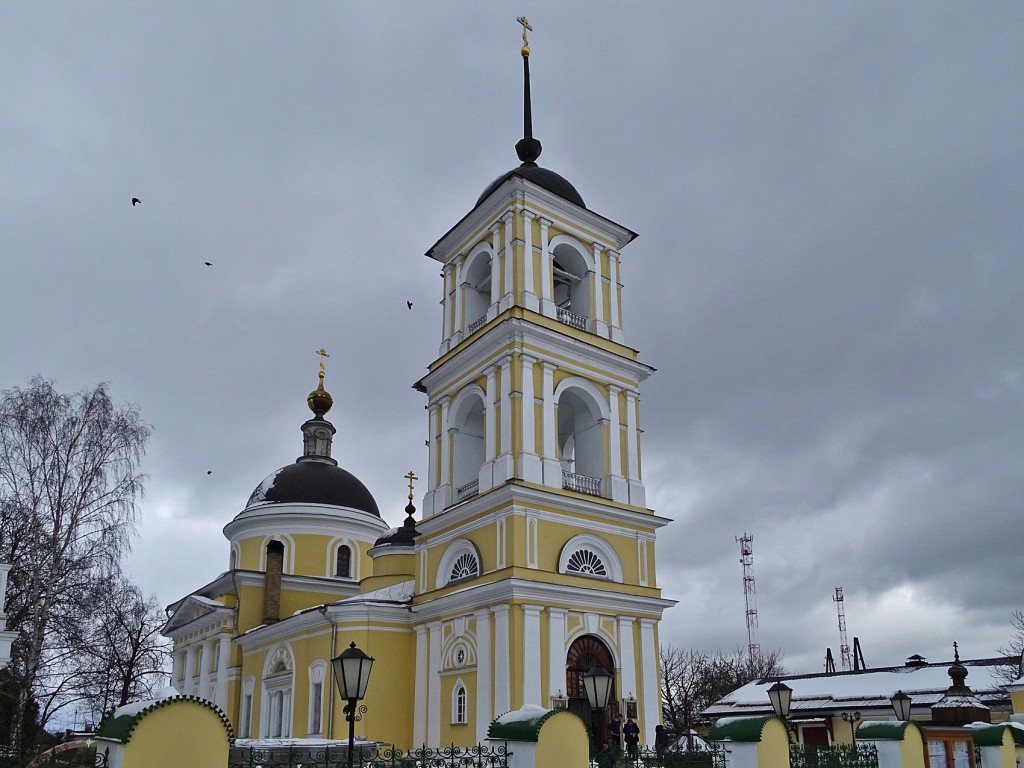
(135, 201)
(409, 304)
(209, 471)
(208, 263)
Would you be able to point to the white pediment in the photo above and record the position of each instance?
(193, 610)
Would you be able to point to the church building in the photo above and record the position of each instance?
(532, 559)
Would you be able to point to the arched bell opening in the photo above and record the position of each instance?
(477, 286)
(580, 442)
(468, 436)
(571, 286)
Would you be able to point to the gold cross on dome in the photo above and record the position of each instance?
(323, 354)
(526, 26)
(410, 477)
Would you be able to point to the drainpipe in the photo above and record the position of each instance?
(330, 672)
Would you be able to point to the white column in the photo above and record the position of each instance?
(556, 653)
(502, 688)
(529, 462)
(547, 304)
(486, 476)
(600, 327)
(443, 494)
(223, 660)
(433, 454)
(448, 305)
(627, 658)
(504, 464)
(177, 657)
(508, 295)
(419, 719)
(549, 459)
(204, 669)
(434, 687)
(615, 482)
(530, 300)
(531, 655)
(637, 494)
(649, 695)
(190, 665)
(484, 674)
(614, 287)
(492, 310)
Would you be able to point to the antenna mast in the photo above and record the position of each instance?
(844, 645)
(749, 593)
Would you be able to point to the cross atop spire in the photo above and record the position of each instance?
(526, 43)
(528, 148)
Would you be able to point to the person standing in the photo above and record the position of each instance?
(615, 730)
(631, 733)
(660, 738)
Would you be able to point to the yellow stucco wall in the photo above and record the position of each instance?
(773, 749)
(912, 747)
(181, 733)
(562, 742)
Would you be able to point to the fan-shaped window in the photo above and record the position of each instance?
(586, 562)
(465, 567)
(590, 555)
(460, 561)
(344, 568)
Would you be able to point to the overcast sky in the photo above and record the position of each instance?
(828, 278)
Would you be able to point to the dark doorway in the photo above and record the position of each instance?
(585, 653)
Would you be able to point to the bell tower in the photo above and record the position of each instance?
(536, 543)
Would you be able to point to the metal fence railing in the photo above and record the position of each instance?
(479, 756)
(834, 756)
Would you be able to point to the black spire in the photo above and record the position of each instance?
(528, 148)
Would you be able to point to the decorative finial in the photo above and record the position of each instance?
(319, 400)
(526, 43)
(956, 653)
(410, 477)
(527, 148)
(410, 508)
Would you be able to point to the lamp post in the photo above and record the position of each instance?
(352, 672)
(851, 718)
(781, 696)
(598, 684)
(901, 705)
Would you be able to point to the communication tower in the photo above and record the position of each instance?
(844, 645)
(749, 593)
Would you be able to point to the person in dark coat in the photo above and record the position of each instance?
(606, 757)
(631, 734)
(660, 738)
(615, 731)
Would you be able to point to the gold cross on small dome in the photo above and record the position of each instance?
(526, 26)
(410, 477)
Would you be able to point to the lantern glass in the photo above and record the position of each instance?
(598, 684)
(352, 671)
(781, 696)
(901, 705)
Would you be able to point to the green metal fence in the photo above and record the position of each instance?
(479, 756)
(58, 758)
(834, 756)
(643, 757)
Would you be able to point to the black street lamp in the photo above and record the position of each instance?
(352, 671)
(851, 718)
(781, 696)
(598, 684)
(901, 705)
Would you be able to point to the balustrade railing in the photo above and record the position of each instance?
(571, 318)
(581, 483)
(467, 490)
(476, 325)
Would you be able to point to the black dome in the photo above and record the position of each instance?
(314, 482)
(542, 177)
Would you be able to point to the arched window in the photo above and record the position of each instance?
(278, 685)
(459, 708)
(344, 567)
(317, 675)
(245, 725)
(468, 427)
(586, 562)
(460, 561)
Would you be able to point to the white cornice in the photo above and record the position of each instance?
(270, 518)
(563, 597)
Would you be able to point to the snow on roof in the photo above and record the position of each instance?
(526, 713)
(134, 707)
(396, 593)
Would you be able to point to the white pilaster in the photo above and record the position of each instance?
(502, 679)
(549, 459)
(448, 306)
(637, 494)
(649, 695)
(531, 651)
(177, 658)
(443, 493)
(547, 303)
(627, 658)
(419, 719)
(492, 310)
(484, 674)
(486, 476)
(223, 659)
(556, 653)
(434, 687)
(530, 300)
(504, 464)
(600, 326)
(529, 462)
(508, 295)
(615, 482)
(614, 288)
